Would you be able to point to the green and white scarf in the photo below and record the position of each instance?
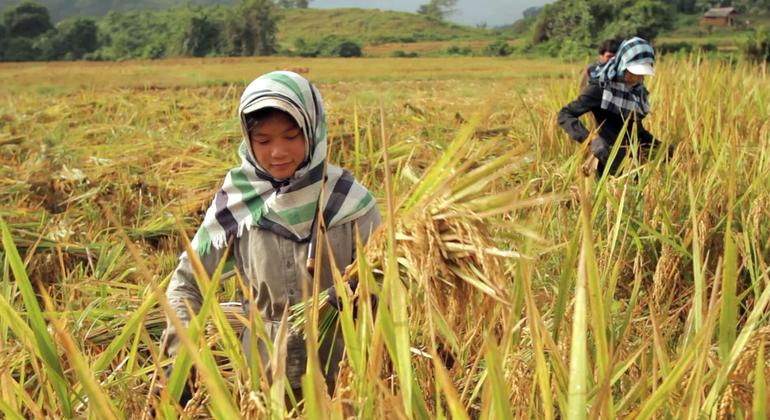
(250, 197)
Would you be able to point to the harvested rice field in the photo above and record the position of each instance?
(511, 282)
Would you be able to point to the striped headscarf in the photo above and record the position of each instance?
(618, 97)
(250, 197)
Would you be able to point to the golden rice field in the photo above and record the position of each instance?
(510, 284)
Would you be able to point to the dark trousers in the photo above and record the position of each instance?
(330, 354)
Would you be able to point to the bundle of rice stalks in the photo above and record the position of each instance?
(452, 268)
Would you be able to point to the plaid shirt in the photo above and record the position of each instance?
(610, 123)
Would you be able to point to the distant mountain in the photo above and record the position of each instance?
(60, 9)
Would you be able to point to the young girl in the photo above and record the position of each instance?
(615, 93)
(266, 213)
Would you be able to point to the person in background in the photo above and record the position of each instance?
(266, 214)
(607, 50)
(615, 93)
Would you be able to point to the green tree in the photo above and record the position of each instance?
(293, 4)
(79, 37)
(27, 20)
(329, 46)
(531, 12)
(574, 20)
(252, 28)
(685, 6)
(437, 9)
(20, 49)
(753, 7)
(200, 36)
(703, 5)
(499, 48)
(3, 41)
(136, 34)
(644, 18)
(757, 47)
(344, 48)
(572, 28)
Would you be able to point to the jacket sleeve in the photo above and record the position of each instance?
(645, 137)
(569, 116)
(647, 140)
(182, 288)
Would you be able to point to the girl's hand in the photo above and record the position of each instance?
(350, 289)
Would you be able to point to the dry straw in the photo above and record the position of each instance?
(509, 284)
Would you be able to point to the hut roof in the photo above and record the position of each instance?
(720, 12)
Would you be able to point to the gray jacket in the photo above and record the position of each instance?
(276, 269)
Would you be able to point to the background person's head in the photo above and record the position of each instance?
(277, 141)
(637, 69)
(634, 59)
(607, 49)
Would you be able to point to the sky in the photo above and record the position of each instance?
(469, 12)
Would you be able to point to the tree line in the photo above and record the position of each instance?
(202, 28)
(244, 29)
(571, 27)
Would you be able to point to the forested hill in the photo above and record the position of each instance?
(368, 25)
(250, 27)
(61, 9)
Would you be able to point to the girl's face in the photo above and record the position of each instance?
(632, 79)
(278, 144)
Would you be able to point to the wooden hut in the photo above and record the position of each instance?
(720, 16)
